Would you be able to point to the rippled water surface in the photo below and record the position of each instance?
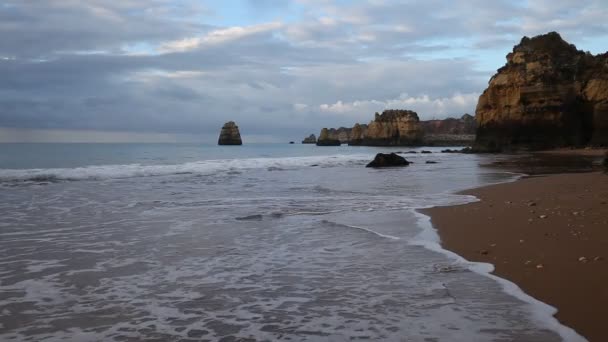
(264, 244)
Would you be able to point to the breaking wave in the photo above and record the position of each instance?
(206, 167)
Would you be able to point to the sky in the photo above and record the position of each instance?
(176, 70)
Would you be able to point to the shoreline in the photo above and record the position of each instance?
(547, 234)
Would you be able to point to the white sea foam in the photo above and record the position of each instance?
(364, 229)
(206, 167)
(541, 312)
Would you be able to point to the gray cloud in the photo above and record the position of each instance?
(156, 66)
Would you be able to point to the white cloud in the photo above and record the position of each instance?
(217, 37)
(426, 106)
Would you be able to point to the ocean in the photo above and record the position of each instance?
(261, 242)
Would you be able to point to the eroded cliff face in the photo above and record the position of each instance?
(311, 139)
(450, 131)
(230, 135)
(391, 128)
(326, 139)
(549, 94)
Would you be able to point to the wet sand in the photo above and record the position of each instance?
(548, 234)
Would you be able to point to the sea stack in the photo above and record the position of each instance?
(312, 139)
(391, 128)
(230, 134)
(548, 94)
(326, 140)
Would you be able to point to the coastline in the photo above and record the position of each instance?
(535, 232)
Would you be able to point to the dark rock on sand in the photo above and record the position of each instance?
(388, 160)
(431, 162)
(426, 152)
(230, 135)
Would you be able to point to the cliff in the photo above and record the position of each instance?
(230, 135)
(391, 128)
(325, 139)
(450, 131)
(549, 94)
(312, 139)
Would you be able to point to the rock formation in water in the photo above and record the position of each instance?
(343, 134)
(312, 139)
(549, 94)
(388, 160)
(449, 132)
(391, 128)
(230, 135)
(326, 140)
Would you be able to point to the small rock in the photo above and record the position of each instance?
(493, 245)
(582, 259)
(528, 262)
(598, 258)
(539, 266)
(431, 162)
(532, 204)
(483, 252)
(575, 213)
(521, 241)
(543, 216)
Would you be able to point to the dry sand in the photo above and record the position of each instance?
(547, 234)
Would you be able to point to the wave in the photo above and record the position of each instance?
(386, 236)
(206, 167)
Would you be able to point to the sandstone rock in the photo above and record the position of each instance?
(388, 160)
(326, 140)
(549, 94)
(312, 139)
(230, 135)
(449, 132)
(343, 134)
(392, 128)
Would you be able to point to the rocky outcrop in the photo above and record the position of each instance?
(449, 132)
(391, 128)
(230, 135)
(326, 140)
(343, 134)
(388, 160)
(312, 139)
(549, 94)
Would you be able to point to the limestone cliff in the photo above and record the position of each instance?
(325, 139)
(230, 135)
(549, 94)
(391, 128)
(312, 139)
(449, 132)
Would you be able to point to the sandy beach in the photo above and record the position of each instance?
(548, 234)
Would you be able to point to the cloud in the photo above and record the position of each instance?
(282, 68)
(426, 106)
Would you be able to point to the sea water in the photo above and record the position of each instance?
(268, 242)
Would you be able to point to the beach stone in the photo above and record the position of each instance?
(484, 252)
(543, 216)
(431, 162)
(582, 259)
(426, 152)
(539, 266)
(531, 204)
(388, 160)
